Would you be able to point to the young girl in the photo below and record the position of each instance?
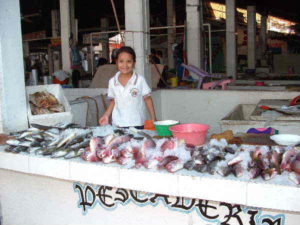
(128, 92)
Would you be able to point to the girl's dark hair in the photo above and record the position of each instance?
(128, 50)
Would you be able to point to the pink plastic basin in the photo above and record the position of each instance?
(192, 133)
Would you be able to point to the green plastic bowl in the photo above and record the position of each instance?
(162, 127)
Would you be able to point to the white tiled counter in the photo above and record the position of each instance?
(280, 195)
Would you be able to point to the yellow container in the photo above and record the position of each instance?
(174, 81)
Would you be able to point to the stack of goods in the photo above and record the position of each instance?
(44, 103)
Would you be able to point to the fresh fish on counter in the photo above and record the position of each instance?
(217, 158)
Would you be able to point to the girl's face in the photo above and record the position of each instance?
(125, 63)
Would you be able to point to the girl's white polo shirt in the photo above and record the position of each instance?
(129, 107)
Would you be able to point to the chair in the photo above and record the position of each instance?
(202, 74)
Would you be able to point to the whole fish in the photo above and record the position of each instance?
(66, 140)
(83, 144)
(30, 131)
(115, 142)
(74, 154)
(60, 153)
(19, 149)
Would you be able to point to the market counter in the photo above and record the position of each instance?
(279, 194)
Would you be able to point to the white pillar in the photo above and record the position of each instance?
(251, 35)
(105, 39)
(171, 21)
(13, 110)
(263, 34)
(65, 34)
(55, 23)
(194, 45)
(137, 34)
(230, 39)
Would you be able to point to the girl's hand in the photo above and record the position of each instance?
(104, 120)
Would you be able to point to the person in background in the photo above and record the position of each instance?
(101, 61)
(153, 57)
(114, 56)
(129, 93)
(159, 55)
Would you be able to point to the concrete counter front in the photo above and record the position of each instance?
(41, 190)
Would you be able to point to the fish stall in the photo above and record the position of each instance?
(68, 174)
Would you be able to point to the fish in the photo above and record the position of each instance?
(168, 144)
(224, 170)
(89, 155)
(166, 160)
(287, 158)
(189, 165)
(211, 167)
(30, 131)
(228, 149)
(59, 153)
(95, 144)
(19, 149)
(238, 170)
(108, 138)
(83, 144)
(235, 160)
(269, 174)
(151, 164)
(127, 152)
(13, 142)
(57, 108)
(66, 140)
(55, 142)
(118, 141)
(9, 148)
(201, 168)
(74, 154)
(80, 135)
(254, 172)
(174, 166)
(124, 160)
(211, 156)
(119, 132)
(274, 158)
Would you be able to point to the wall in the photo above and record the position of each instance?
(199, 106)
(39, 200)
(191, 106)
(283, 62)
(72, 94)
